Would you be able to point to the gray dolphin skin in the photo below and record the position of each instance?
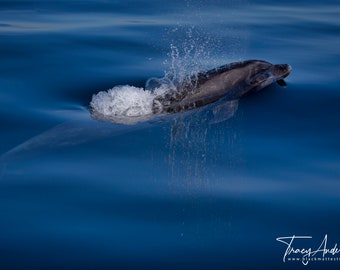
(229, 82)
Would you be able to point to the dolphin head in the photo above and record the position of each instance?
(280, 71)
(264, 73)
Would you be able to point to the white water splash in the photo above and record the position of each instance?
(123, 101)
(124, 104)
(128, 104)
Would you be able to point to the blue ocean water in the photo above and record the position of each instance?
(186, 193)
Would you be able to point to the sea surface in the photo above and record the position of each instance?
(189, 192)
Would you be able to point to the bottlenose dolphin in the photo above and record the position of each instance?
(225, 84)
(228, 82)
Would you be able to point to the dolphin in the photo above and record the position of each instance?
(229, 82)
(225, 84)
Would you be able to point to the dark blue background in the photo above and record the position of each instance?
(79, 194)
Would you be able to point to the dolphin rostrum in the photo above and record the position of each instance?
(228, 82)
